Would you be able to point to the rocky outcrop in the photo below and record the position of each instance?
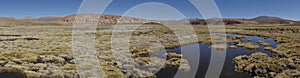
(101, 19)
(8, 21)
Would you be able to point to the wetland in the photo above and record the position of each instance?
(251, 51)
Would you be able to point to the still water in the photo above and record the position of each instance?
(228, 68)
(12, 75)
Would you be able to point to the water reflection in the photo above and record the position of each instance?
(205, 55)
(11, 75)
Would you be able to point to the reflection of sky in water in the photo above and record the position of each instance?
(228, 69)
(12, 75)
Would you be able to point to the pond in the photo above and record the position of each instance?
(228, 68)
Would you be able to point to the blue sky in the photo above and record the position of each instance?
(288, 9)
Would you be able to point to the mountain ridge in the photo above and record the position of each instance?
(267, 18)
(113, 19)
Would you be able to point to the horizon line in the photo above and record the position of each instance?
(148, 19)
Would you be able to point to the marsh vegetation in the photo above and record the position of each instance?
(46, 51)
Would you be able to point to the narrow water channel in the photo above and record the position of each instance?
(228, 68)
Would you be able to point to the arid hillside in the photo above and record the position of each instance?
(110, 19)
(71, 19)
(8, 21)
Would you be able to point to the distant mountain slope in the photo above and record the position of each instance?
(255, 21)
(267, 18)
(29, 18)
(74, 19)
(50, 18)
(226, 21)
(8, 21)
(102, 19)
(273, 20)
(110, 19)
